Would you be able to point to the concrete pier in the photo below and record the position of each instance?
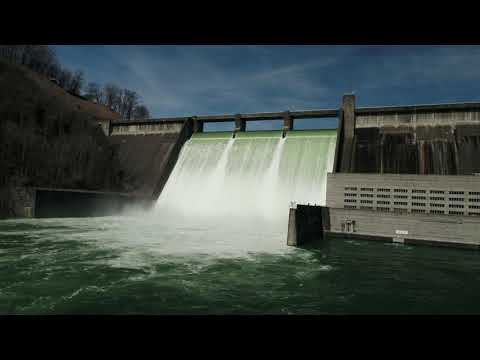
(197, 125)
(240, 124)
(306, 224)
(348, 133)
(287, 123)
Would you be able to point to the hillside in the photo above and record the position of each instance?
(50, 138)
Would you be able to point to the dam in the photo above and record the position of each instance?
(258, 177)
(219, 209)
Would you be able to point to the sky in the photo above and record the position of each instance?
(187, 80)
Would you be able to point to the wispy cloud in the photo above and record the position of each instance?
(187, 80)
(194, 82)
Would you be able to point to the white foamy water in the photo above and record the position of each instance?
(247, 182)
(225, 198)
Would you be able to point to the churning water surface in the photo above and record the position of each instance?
(127, 265)
(216, 244)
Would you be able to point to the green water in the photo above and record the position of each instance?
(127, 265)
(216, 244)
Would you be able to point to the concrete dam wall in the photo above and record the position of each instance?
(436, 140)
(148, 152)
(422, 139)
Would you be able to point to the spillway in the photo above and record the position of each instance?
(250, 179)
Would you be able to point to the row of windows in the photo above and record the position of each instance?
(457, 206)
(363, 201)
(405, 197)
(419, 197)
(413, 197)
(418, 204)
(414, 191)
(404, 203)
(416, 211)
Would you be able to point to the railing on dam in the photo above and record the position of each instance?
(466, 113)
(356, 128)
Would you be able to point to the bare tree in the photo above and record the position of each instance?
(6, 51)
(113, 97)
(39, 58)
(76, 83)
(94, 93)
(53, 69)
(65, 78)
(42, 59)
(141, 112)
(129, 102)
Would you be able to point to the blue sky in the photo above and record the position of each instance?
(202, 80)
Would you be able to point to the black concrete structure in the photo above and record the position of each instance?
(306, 223)
(287, 123)
(54, 203)
(240, 124)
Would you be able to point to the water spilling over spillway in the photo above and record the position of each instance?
(249, 180)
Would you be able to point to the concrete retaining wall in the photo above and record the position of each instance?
(148, 160)
(132, 128)
(52, 203)
(306, 223)
(421, 228)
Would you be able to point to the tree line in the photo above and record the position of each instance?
(43, 60)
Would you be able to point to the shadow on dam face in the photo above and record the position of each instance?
(55, 204)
